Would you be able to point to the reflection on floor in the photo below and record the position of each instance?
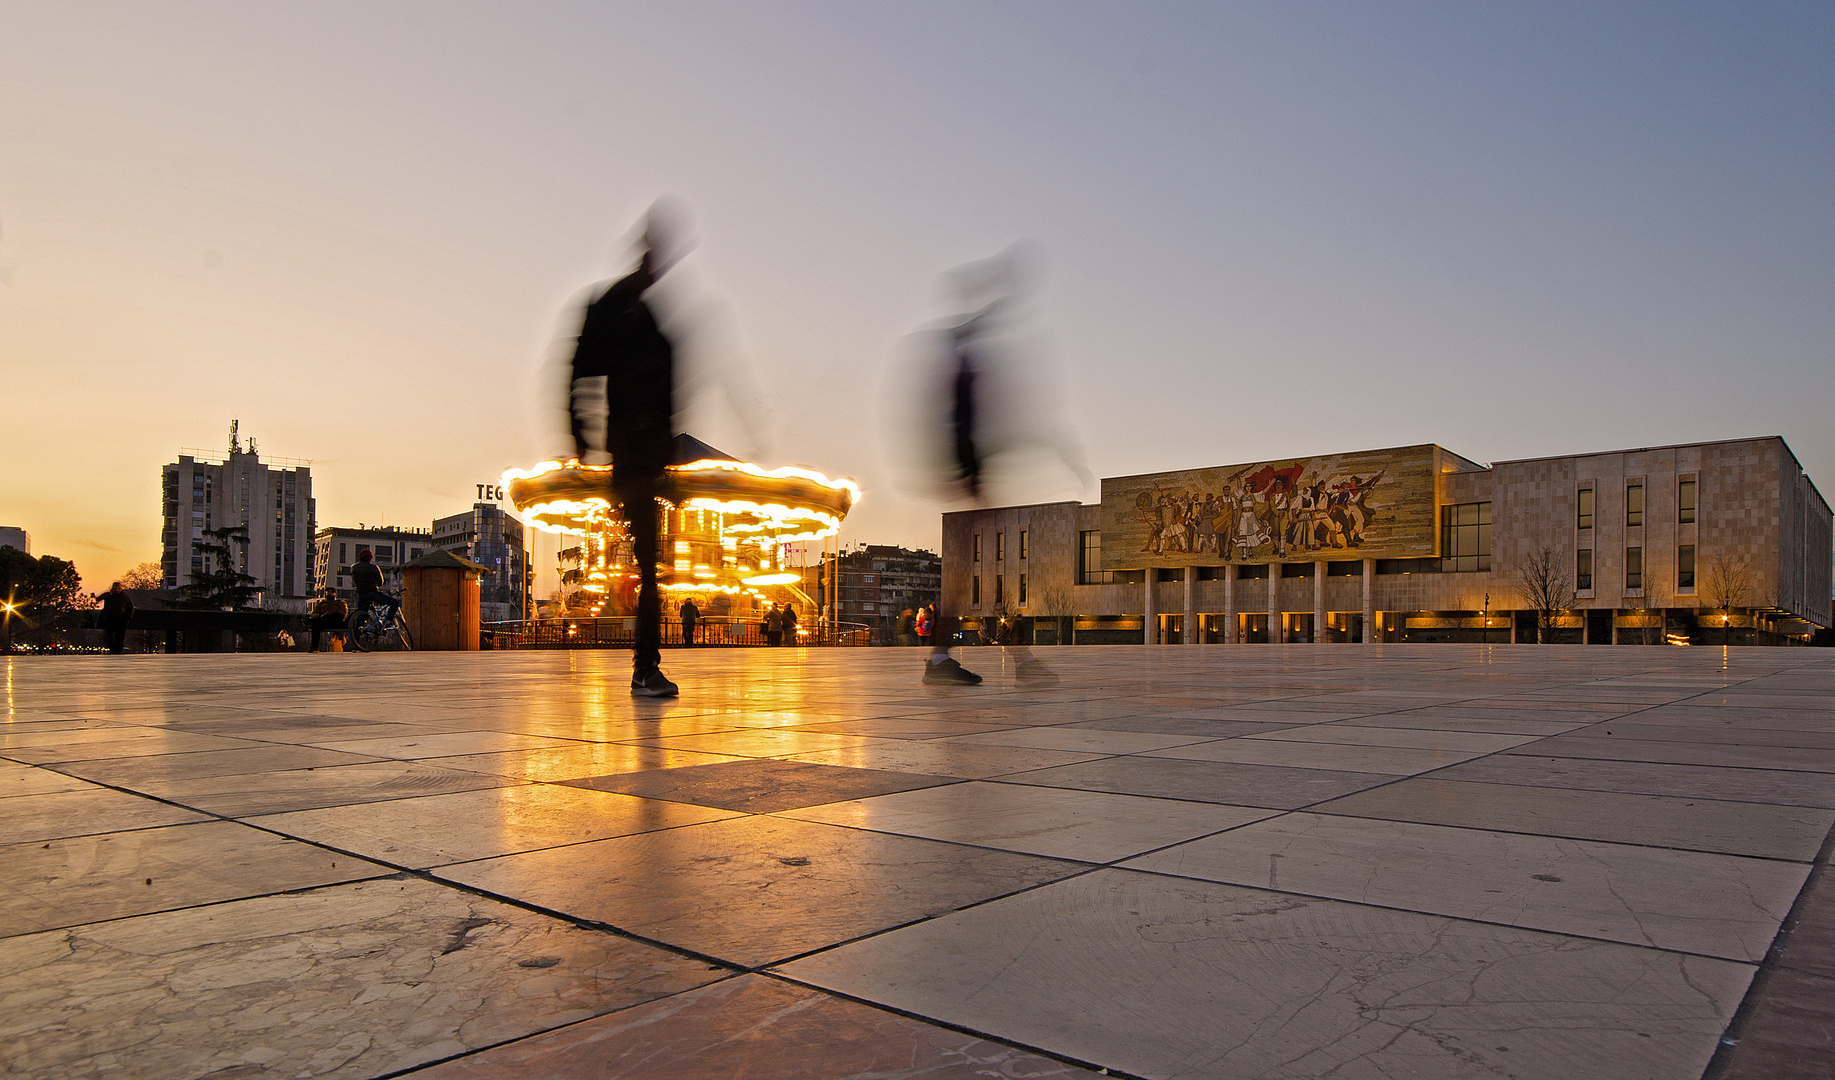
(1255, 861)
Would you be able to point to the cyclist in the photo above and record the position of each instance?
(367, 577)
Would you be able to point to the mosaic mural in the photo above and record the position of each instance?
(1378, 504)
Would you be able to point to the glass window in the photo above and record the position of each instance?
(974, 585)
(1634, 568)
(1685, 567)
(1685, 502)
(1022, 543)
(1022, 585)
(1000, 588)
(1465, 538)
(1585, 521)
(1583, 570)
(1000, 545)
(1634, 503)
(977, 557)
(1252, 571)
(1089, 559)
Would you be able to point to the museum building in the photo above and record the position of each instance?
(1700, 543)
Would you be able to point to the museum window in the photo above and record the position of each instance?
(1685, 568)
(1089, 559)
(1252, 571)
(1022, 543)
(1585, 518)
(1685, 502)
(1022, 587)
(1296, 569)
(977, 555)
(1408, 566)
(1000, 546)
(1345, 569)
(1634, 568)
(1000, 589)
(1583, 570)
(1634, 504)
(974, 590)
(1465, 538)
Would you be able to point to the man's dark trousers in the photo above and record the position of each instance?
(637, 478)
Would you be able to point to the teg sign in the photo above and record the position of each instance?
(1377, 504)
(490, 492)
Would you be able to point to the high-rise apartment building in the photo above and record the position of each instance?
(271, 502)
(488, 536)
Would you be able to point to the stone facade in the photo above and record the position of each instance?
(1669, 528)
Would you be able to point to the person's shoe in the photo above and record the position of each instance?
(947, 672)
(1034, 673)
(652, 683)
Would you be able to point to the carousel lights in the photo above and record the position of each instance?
(773, 579)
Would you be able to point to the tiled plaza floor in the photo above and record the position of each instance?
(1219, 861)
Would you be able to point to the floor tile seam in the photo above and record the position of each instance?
(473, 1051)
(1543, 753)
(1559, 836)
(962, 1029)
(1819, 877)
(47, 841)
(1442, 915)
(220, 816)
(736, 814)
(1007, 778)
(300, 891)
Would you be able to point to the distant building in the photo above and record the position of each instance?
(487, 535)
(337, 549)
(273, 504)
(16, 538)
(878, 582)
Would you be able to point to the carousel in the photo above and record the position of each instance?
(729, 532)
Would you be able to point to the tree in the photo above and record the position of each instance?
(1054, 602)
(1729, 584)
(220, 586)
(35, 591)
(146, 575)
(1547, 588)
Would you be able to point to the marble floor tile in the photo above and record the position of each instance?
(450, 744)
(1731, 828)
(1393, 760)
(577, 760)
(113, 875)
(1716, 735)
(762, 743)
(900, 727)
(306, 789)
(752, 1028)
(439, 829)
(1410, 738)
(57, 747)
(946, 757)
(1200, 727)
(130, 771)
(1206, 781)
(1188, 980)
(1061, 823)
(756, 889)
(1778, 786)
(35, 818)
(16, 780)
(758, 785)
(1718, 905)
(1595, 744)
(356, 980)
(1078, 739)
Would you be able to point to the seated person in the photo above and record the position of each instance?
(328, 616)
(367, 577)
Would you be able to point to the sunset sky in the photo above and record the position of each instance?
(1261, 230)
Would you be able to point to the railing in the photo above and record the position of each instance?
(620, 632)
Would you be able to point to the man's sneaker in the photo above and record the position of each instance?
(947, 672)
(652, 683)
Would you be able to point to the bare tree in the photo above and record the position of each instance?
(1653, 609)
(1547, 588)
(1729, 584)
(1054, 601)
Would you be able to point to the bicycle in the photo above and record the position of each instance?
(372, 630)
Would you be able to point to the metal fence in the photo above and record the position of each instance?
(620, 632)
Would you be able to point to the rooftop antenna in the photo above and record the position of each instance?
(234, 446)
(251, 445)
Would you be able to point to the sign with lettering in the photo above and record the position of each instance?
(490, 492)
(1378, 504)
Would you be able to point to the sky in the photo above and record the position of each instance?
(1257, 231)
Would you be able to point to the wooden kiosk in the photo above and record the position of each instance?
(439, 601)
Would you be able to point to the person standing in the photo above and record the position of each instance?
(117, 610)
(621, 342)
(907, 628)
(786, 620)
(328, 616)
(774, 625)
(691, 614)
